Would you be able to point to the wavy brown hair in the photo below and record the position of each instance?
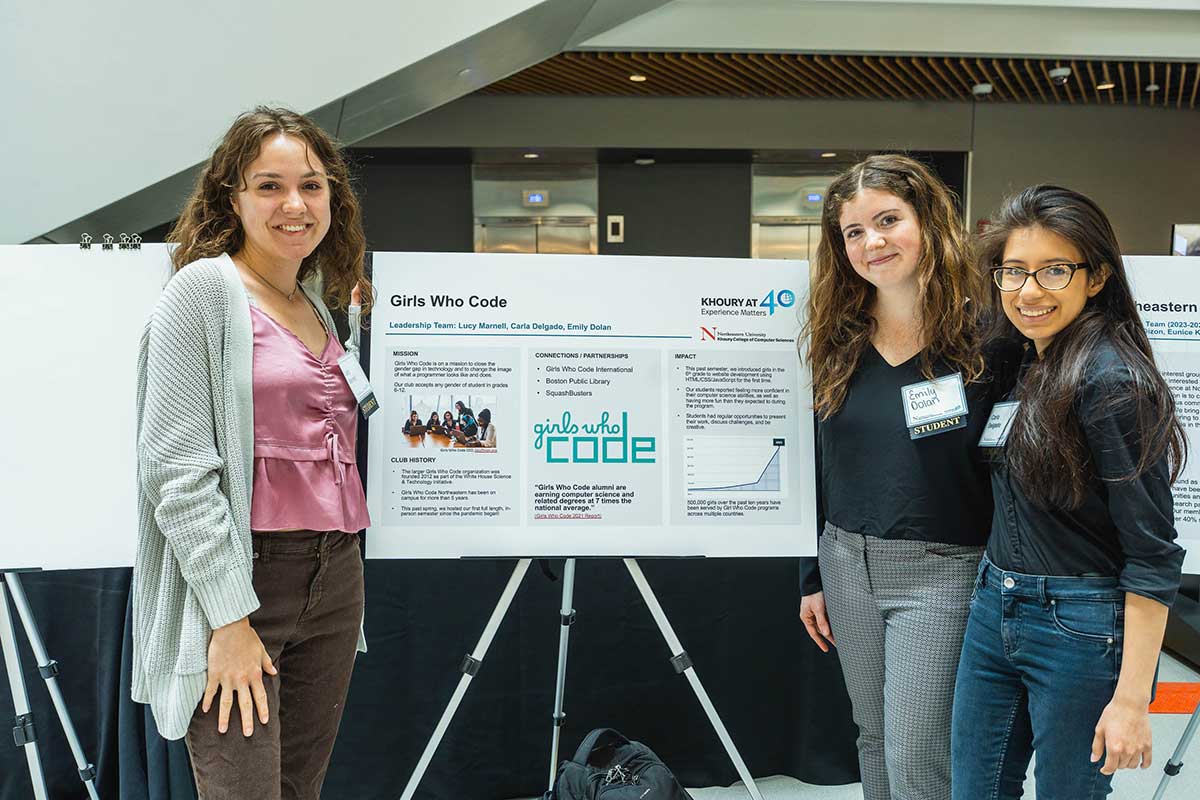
(208, 226)
(1047, 450)
(840, 323)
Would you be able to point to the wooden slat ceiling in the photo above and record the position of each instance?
(947, 78)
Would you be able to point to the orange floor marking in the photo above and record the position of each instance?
(1176, 698)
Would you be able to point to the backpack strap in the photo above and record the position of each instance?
(592, 740)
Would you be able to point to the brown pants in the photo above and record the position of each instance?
(310, 585)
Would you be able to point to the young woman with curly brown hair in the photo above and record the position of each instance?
(248, 580)
(901, 395)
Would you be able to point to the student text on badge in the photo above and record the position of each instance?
(919, 431)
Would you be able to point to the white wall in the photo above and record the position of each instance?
(103, 99)
(1141, 164)
(1167, 29)
(495, 121)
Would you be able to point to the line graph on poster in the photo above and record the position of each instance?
(754, 465)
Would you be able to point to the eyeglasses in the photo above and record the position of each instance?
(1051, 278)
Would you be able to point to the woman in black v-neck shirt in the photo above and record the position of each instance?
(935, 485)
(901, 394)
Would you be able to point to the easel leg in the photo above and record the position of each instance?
(1175, 762)
(470, 667)
(49, 670)
(566, 620)
(23, 730)
(683, 664)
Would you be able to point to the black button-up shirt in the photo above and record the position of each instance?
(1124, 528)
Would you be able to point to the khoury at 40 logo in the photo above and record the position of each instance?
(748, 306)
(742, 307)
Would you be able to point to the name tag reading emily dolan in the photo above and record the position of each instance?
(933, 407)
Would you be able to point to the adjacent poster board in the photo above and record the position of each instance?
(1167, 289)
(642, 406)
(71, 320)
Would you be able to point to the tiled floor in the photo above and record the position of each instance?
(1128, 784)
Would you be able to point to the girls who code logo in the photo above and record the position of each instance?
(603, 441)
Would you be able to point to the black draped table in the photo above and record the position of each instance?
(783, 700)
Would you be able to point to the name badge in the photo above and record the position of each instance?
(933, 407)
(995, 433)
(357, 379)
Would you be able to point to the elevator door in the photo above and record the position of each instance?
(548, 208)
(786, 205)
(784, 240)
(563, 236)
(501, 238)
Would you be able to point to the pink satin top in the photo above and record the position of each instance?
(305, 424)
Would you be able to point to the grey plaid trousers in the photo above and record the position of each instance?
(898, 610)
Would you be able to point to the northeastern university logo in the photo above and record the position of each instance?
(708, 333)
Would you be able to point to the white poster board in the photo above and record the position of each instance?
(1167, 290)
(643, 406)
(71, 321)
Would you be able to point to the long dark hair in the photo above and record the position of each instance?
(840, 324)
(1046, 449)
(208, 226)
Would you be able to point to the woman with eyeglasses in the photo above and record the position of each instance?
(1081, 566)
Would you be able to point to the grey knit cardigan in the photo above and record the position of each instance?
(195, 456)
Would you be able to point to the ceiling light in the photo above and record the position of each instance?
(637, 78)
(1059, 75)
(1152, 87)
(464, 72)
(981, 89)
(1106, 85)
(533, 155)
(828, 155)
(644, 161)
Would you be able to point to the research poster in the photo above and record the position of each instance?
(1167, 290)
(543, 405)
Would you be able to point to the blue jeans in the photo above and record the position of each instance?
(1040, 661)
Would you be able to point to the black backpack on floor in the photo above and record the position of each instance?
(608, 766)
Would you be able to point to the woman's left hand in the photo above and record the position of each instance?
(1123, 732)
